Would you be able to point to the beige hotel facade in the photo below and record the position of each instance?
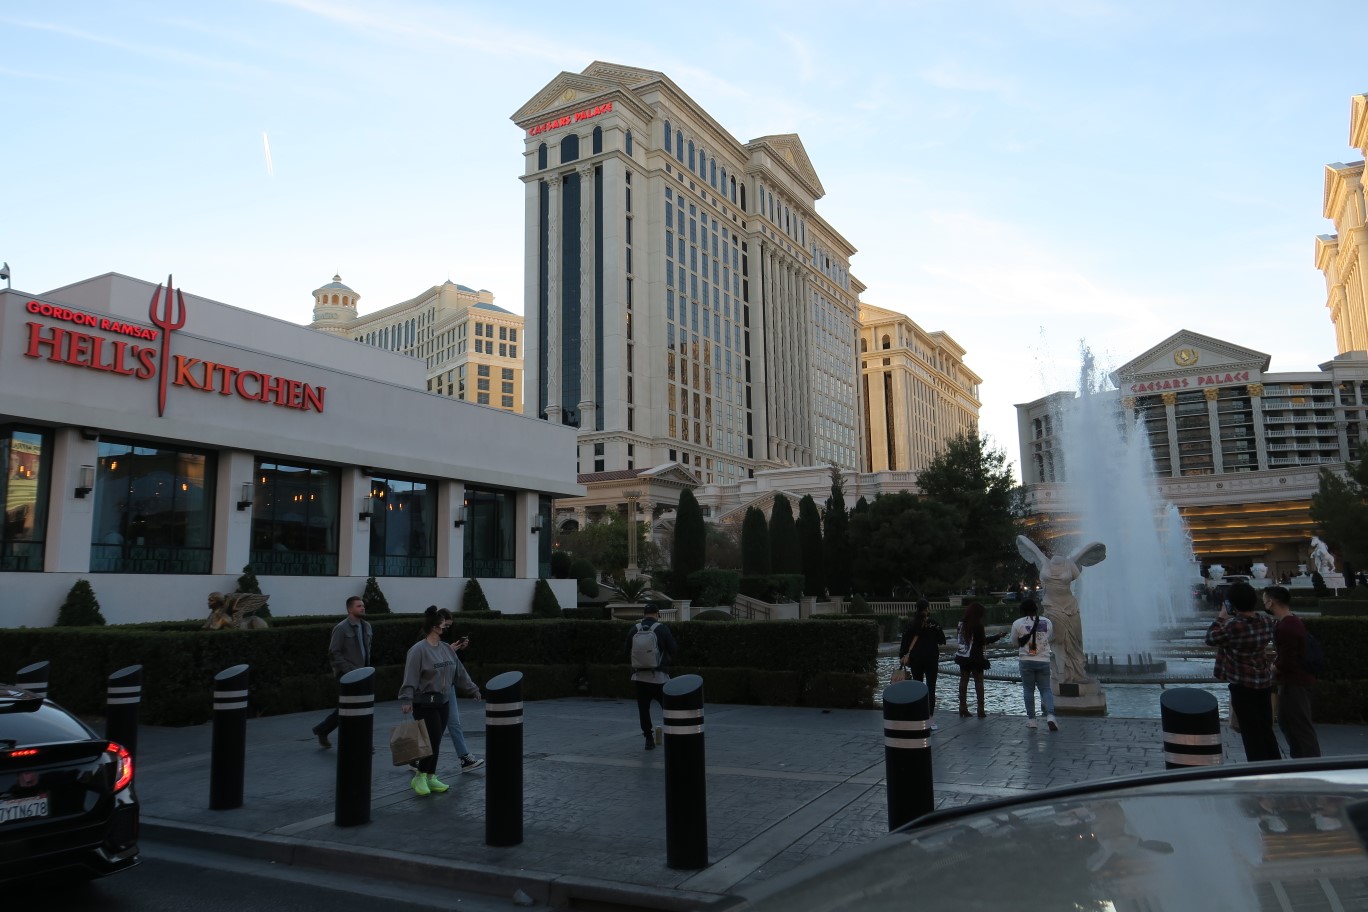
(686, 305)
(1343, 256)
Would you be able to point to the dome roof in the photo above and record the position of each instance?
(335, 285)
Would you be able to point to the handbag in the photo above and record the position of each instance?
(409, 742)
(899, 676)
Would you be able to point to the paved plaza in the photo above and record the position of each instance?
(786, 785)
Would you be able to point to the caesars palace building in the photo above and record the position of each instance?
(157, 444)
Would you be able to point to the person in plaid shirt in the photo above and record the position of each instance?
(1241, 643)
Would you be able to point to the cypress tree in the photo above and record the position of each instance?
(81, 608)
(809, 526)
(474, 597)
(375, 600)
(755, 550)
(687, 554)
(783, 538)
(836, 537)
(544, 602)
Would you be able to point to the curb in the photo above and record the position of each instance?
(555, 891)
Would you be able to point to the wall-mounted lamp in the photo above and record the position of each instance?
(538, 523)
(460, 517)
(90, 433)
(368, 471)
(245, 500)
(87, 482)
(365, 508)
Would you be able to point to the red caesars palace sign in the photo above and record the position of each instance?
(144, 353)
(568, 119)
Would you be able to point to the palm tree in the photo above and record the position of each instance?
(634, 591)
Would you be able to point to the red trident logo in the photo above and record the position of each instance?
(168, 319)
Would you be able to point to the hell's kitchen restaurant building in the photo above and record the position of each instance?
(156, 443)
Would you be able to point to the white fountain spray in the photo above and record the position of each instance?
(1145, 584)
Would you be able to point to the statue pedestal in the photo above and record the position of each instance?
(1079, 698)
(1300, 582)
(1333, 580)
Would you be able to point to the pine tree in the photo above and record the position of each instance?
(474, 597)
(687, 554)
(375, 600)
(785, 556)
(836, 537)
(809, 526)
(81, 608)
(755, 550)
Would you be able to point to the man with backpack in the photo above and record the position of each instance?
(1296, 666)
(652, 646)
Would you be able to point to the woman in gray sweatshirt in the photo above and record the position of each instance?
(428, 672)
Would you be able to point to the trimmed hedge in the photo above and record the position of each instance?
(709, 588)
(289, 670)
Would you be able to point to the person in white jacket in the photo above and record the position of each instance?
(1032, 634)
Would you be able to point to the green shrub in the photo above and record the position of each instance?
(544, 601)
(81, 608)
(890, 625)
(858, 605)
(1340, 702)
(473, 599)
(560, 564)
(375, 600)
(584, 571)
(589, 613)
(714, 614)
(721, 685)
(714, 587)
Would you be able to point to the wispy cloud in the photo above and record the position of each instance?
(155, 52)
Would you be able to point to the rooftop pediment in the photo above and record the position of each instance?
(1189, 355)
(788, 148)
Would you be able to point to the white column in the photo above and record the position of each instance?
(71, 519)
(233, 527)
(353, 538)
(525, 540)
(1255, 391)
(450, 537)
(1171, 416)
(553, 300)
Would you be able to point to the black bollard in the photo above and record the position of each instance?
(34, 678)
(907, 752)
(355, 734)
(504, 761)
(686, 781)
(228, 760)
(1192, 728)
(121, 712)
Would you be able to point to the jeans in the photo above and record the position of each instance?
(1036, 675)
(453, 725)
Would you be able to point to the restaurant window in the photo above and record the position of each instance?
(403, 527)
(27, 457)
(489, 544)
(154, 510)
(294, 520)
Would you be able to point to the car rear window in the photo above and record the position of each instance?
(50, 724)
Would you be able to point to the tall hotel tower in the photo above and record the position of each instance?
(685, 303)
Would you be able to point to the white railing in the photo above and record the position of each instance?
(751, 609)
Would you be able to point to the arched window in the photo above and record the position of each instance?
(598, 140)
(541, 157)
(669, 137)
(334, 299)
(629, 142)
(712, 173)
(346, 300)
(886, 342)
(733, 192)
(679, 146)
(743, 197)
(692, 161)
(569, 148)
(864, 346)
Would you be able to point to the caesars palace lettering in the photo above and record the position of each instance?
(1180, 383)
(568, 119)
(126, 357)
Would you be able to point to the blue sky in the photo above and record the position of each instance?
(1022, 175)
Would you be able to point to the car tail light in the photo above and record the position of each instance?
(26, 752)
(123, 773)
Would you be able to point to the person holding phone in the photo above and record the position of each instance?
(1241, 642)
(460, 681)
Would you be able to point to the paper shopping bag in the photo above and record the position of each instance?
(409, 742)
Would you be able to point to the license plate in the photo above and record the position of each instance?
(23, 808)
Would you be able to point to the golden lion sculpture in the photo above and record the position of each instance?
(235, 611)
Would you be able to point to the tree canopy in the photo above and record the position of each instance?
(976, 481)
(809, 526)
(604, 544)
(1340, 510)
(901, 541)
(785, 556)
(690, 543)
(836, 537)
(755, 550)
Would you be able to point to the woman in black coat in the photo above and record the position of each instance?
(920, 650)
(971, 639)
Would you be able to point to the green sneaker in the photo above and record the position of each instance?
(435, 784)
(420, 784)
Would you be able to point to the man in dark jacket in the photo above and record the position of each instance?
(1294, 679)
(349, 648)
(650, 672)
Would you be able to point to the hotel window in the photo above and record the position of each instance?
(503, 333)
(154, 510)
(668, 136)
(508, 386)
(482, 384)
(503, 349)
(512, 351)
(482, 398)
(403, 527)
(629, 142)
(482, 370)
(598, 140)
(27, 458)
(506, 373)
(508, 402)
(294, 520)
(569, 148)
(489, 539)
(541, 157)
(513, 334)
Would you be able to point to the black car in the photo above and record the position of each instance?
(66, 794)
(1288, 836)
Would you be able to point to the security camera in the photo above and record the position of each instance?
(4, 271)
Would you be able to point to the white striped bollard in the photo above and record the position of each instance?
(34, 678)
(1192, 728)
(686, 780)
(907, 752)
(504, 760)
(355, 734)
(121, 707)
(228, 756)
